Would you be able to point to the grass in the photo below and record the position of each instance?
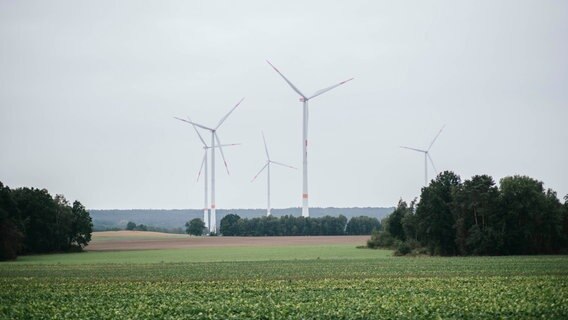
(212, 254)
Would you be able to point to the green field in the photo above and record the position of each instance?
(213, 254)
(281, 282)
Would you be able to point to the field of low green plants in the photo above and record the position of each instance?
(370, 287)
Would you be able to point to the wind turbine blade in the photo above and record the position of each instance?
(432, 162)
(228, 114)
(265, 147)
(324, 90)
(288, 81)
(413, 149)
(284, 165)
(436, 137)
(198, 134)
(222, 155)
(229, 145)
(202, 165)
(193, 123)
(266, 165)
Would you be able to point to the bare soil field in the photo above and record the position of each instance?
(140, 240)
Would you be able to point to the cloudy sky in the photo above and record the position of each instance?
(88, 91)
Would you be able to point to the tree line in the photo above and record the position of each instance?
(477, 217)
(234, 225)
(33, 221)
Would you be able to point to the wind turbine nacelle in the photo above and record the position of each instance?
(302, 99)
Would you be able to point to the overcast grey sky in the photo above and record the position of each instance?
(88, 90)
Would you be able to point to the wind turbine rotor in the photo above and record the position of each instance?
(221, 149)
(432, 162)
(259, 172)
(228, 114)
(202, 164)
(431, 144)
(198, 134)
(413, 149)
(194, 123)
(265, 146)
(283, 164)
(324, 90)
(288, 81)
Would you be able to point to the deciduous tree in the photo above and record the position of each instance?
(436, 222)
(195, 227)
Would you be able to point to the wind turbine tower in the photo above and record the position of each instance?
(304, 99)
(267, 167)
(427, 156)
(212, 147)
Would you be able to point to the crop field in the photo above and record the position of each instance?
(281, 283)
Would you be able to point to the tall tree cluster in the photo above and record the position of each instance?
(477, 217)
(32, 221)
(233, 225)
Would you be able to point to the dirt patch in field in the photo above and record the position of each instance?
(130, 242)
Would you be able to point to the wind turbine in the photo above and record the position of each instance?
(204, 168)
(304, 99)
(214, 137)
(427, 156)
(267, 166)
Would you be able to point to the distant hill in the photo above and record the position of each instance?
(176, 219)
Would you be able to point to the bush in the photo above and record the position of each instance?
(402, 248)
(380, 239)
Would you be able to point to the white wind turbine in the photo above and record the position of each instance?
(267, 166)
(214, 137)
(304, 99)
(427, 157)
(204, 169)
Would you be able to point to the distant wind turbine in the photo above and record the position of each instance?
(304, 99)
(267, 166)
(214, 137)
(427, 156)
(204, 169)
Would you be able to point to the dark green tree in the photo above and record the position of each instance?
(531, 218)
(362, 225)
(229, 225)
(233, 225)
(10, 235)
(434, 212)
(82, 226)
(477, 218)
(476, 210)
(410, 222)
(130, 225)
(39, 218)
(45, 224)
(141, 227)
(394, 222)
(63, 223)
(195, 227)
